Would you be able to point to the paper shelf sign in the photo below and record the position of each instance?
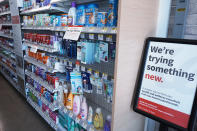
(167, 82)
(73, 33)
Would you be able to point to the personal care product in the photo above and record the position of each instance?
(91, 15)
(112, 13)
(72, 15)
(103, 51)
(81, 15)
(87, 86)
(107, 126)
(72, 126)
(79, 51)
(58, 21)
(69, 103)
(76, 105)
(84, 109)
(76, 82)
(98, 119)
(101, 19)
(64, 19)
(90, 115)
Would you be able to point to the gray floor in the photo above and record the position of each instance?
(15, 113)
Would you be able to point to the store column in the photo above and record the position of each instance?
(137, 21)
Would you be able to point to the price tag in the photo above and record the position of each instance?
(104, 76)
(84, 125)
(109, 38)
(91, 36)
(82, 35)
(83, 68)
(65, 110)
(70, 64)
(89, 71)
(70, 114)
(100, 37)
(56, 33)
(61, 33)
(34, 49)
(77, 120)
(73, 33)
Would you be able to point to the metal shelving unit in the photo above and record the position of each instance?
(105, 30)
(49, 8)
(41, 81)
(6, 36)
(7, 58)
(39, 46)
(42, 114)
(8, 68)
(7, 48)
(5, 13)
(52, 106)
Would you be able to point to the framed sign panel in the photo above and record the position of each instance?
(167, 81)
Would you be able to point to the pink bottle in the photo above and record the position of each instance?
(84, 109)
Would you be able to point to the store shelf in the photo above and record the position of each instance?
(9, 79)
(5, 35)
(37, 94)
(7, 48)
(105, 30)
(6, 24)
(41, 81)
(45, 116)
(40, 47)
(39, 64)
(7, 58)
(83, 123)
(5, 13)
(8, 68)
(47, 9)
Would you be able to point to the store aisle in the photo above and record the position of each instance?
(15, 113)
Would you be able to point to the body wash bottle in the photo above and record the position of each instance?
(76, 105)
(69, 103)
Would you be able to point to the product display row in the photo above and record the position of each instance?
(70, 83)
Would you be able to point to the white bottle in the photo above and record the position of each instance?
(72, 14)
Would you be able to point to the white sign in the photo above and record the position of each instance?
(169, 82)
(73, 33)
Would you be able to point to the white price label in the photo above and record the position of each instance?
(84, 125)
(100, 37)
(56, 33)
(82, 35)
(73, 33)
(83, 68)
(71, 114)
(61, 33)
(34, 49)
(77, 120)
(109, 38)
(91, 36)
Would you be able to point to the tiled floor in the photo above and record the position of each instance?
(15, 113)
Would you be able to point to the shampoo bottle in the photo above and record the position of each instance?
(98, 119)
(72, 14)
(84, 109)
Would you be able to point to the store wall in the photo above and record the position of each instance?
(191, 21)
(137, 21)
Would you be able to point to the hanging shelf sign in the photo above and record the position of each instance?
(73, 33)
(167, 82)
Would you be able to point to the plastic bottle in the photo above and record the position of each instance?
(72, 14)
(98, 119)
(90, 115)
(84, 109)
(69, 103)
(107, 126)
(76, 105)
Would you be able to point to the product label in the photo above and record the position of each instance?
(169, 82)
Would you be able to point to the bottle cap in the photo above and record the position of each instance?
(98, 110)
(73, 4)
